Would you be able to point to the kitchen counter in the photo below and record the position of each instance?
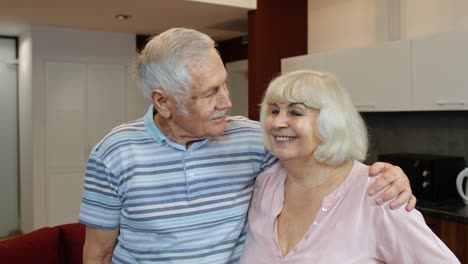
(454, 210)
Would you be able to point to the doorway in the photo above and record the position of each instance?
(9, 187)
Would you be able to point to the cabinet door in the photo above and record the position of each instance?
(316, 62)
(440, 69)
(378, 78)
(65, 140)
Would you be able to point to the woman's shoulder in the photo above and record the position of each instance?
(273, 174)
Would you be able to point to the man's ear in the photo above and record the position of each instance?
(161, 102)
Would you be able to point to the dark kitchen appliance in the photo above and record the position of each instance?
(432, 177)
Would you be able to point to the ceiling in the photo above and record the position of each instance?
(148, 17)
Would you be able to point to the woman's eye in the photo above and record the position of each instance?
(274, 112)
(296, 113)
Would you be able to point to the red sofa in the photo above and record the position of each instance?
(49, 245)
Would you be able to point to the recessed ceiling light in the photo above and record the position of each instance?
(122, 17)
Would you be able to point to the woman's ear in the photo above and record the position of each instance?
(161, 102)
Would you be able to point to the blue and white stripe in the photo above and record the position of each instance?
(171, 204)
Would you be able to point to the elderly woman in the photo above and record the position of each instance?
(312, 207)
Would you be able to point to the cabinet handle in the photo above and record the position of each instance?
(451, 103)
(370, 106)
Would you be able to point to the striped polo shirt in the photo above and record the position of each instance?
(173, 204)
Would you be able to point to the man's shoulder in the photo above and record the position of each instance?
(235, 122)
(132, 130)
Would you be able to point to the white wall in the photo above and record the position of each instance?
(341, 24)
(428, 17)
(238, 83)
(38, 46)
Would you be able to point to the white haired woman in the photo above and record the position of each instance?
(312, 207)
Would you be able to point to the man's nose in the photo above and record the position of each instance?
(223, 99)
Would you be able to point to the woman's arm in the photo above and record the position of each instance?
(404, 237)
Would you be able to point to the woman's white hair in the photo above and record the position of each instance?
(339, 126)
(165, 61)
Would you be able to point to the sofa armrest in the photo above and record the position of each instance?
(72, 238)
(39, 246)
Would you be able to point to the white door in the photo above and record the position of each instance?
(84, 101)
(106, 101)
(9, 221)
(65, 140)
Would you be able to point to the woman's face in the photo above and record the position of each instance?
(291, 130)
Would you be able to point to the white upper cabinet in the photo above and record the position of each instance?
(378, 78)
(316, 62)
(440, 72)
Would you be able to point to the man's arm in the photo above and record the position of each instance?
(398, 186)
(99, 245)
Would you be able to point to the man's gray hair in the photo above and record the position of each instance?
(164, 62)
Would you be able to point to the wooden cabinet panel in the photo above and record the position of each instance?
(453, 234)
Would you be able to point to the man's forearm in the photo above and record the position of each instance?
(99, 245)
(90, 256)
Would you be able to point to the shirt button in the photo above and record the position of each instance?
(307, 237)
(316, 223)
(191, 175)
(295, 250)
(324, 209)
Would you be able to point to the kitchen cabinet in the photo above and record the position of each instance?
(453, 233)
(378, 78)
(440, 67)
(426, 74)
(316, 62)
(83, 102)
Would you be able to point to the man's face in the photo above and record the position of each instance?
(207, 104)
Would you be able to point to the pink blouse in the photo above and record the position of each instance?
(349, 228)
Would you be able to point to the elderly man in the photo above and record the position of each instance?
(175, 185)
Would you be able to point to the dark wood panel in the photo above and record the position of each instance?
(277, 29)
(453, 234)
(233, 49)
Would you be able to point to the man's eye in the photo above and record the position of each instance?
(212, 92)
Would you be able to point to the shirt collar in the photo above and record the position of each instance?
(159, 136)
(151, 127)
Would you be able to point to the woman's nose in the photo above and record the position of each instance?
(280, 121)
